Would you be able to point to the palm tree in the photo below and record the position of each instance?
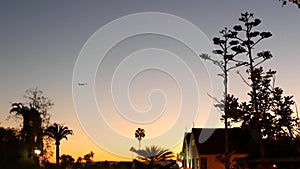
(57, 132)
(153, 155)
(139, 134)
(20, 110)
(31, 133)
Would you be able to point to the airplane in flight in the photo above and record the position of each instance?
(82, 84)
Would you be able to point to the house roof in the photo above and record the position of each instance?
(186, 141)
(239, 140)
(188, 137)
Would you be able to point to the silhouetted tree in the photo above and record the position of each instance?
(66, 161)
(78, 163)
(153, 155)
(9, 148)
(31, 132)
(58, 132)
(13, 152)
(247, 37)
(39, 102)
(267, 108)
(34, 113)
(139, 134)
(296, 2)
(89, 157)
(275, 118)
(228, 50)
(79, 159)
(274, 121)
(20, 110)
(286, 123)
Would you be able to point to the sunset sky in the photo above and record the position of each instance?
(149, 80)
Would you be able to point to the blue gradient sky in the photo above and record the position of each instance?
(41, 40)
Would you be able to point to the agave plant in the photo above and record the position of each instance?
(153, 155)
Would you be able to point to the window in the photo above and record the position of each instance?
(203, 164)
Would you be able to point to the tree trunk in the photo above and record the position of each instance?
(262, 153)
(152, 164)
(227, 160)
(139, 144)
(57, 154)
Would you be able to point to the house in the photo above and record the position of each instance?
(205, 147)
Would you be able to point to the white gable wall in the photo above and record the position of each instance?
(204, 161)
